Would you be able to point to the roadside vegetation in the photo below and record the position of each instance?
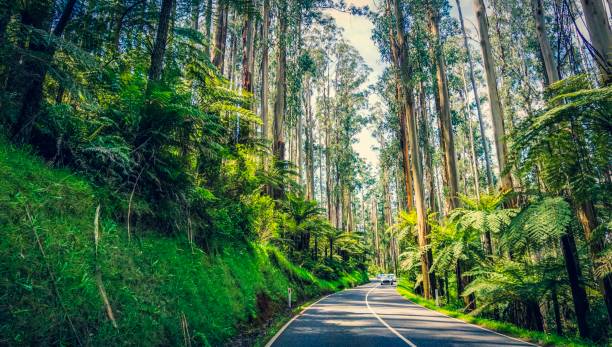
(72, 277)
(405, 288)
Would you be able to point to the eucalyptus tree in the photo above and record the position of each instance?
(447, 143)
(350, 74)
(600, 34)
(495, 103)
(221, 26)
(278, 144)
(401, 59)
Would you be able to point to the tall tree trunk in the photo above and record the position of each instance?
(161, 38)
(483, 138)
(195, 14)
(585, 212)
(427, 155)
(447, 142)
(400, 48)
(208, 18)
(278, 147)
(387, 197)
(299, 147)
(328, 173)
(37, 14)
(557, 312)
(265, 29)
(405, 149)
(473, 158)
(581, 303)
(320, 156)
(600, 34)
(374, 223)
(248, 53)
(309, 148)
(496, 109)
(550, 68)
(218, 49)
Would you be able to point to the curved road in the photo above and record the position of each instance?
(375, 315)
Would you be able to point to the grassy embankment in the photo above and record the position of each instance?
(160, 291)
(540, 338)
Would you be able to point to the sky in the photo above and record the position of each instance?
(358, 32)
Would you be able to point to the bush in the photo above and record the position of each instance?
(325, 272)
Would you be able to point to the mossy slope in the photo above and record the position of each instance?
(154, 284)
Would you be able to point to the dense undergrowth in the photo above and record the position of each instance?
(405, 288)
(161, 290)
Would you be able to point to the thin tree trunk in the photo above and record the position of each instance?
(281, 94)
(447, 142)
(208, 20)
(328, 177)
(585, 212)
(264, 69)
(496, 109)
(427, 156)
(195, 14)
(374, 220)
(473, 159)
(310, 184)
(581, 303)
(299, 148)
(557, 312)
(320, 155)
(248, 51)
(405, 150)
(218, 49)
(550, 67)
(161, 38)
(483, 138)
(600, 35)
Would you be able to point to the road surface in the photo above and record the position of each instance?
(375, 315)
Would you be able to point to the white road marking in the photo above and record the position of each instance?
(269, 344)
(408, 342)
(474, 325)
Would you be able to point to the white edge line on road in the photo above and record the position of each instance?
(474, 325)
(408, 342)
(278, 333)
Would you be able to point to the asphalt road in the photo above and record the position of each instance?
(375, 315)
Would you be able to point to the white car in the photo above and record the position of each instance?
(388, 279)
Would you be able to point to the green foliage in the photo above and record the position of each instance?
(544, 339)
(568, 143)
(485, 215)
(539, 224)
(150, 282)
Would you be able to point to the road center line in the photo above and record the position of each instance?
(408, 342)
